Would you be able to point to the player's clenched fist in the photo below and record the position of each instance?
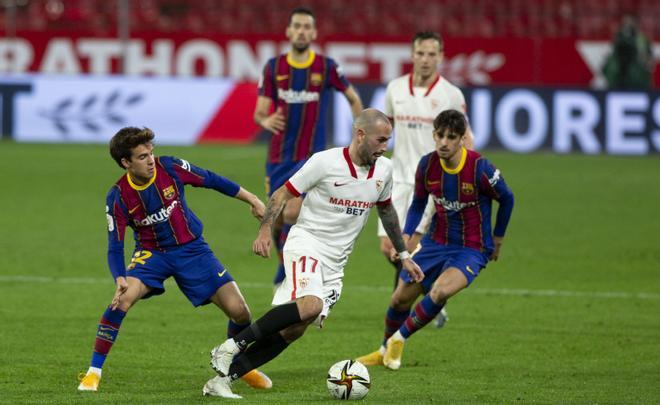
(261, 245)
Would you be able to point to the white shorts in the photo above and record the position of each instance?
(402, 195)
(307, 275)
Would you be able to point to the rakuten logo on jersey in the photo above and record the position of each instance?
(453, 205)
(157, 217)
(297, 97)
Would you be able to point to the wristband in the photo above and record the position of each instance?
(404, 255)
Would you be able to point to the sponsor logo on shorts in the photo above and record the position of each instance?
(223, 273)
(469, 270)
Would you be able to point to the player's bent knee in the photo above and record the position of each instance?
(242, 316)
(440, 293)
(400, 303)
(309, 307)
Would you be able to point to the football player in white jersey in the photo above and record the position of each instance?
(412, 102)
(342, 185)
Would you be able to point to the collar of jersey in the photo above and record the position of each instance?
(428, 90)
(301, 65)
(460, 165)
(143, 187)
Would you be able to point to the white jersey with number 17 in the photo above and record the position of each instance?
(339, 196)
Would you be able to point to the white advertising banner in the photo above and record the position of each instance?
(92, 109)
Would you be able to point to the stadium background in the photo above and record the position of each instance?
(568, 315)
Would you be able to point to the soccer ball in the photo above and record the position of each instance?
(348, 379)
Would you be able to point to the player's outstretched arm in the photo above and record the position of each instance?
(257, 207)
(261, 245)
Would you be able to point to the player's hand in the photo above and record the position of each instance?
(258, 209)
(261, 245)
(275, 122)
(413, 270)
(497, 241)
(394, 255)
(122, 286)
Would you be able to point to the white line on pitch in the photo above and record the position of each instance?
(363, 288)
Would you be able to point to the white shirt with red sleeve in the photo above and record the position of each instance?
(339, 197)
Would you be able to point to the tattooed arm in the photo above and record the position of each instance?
(388, 216)
(261, 245)
(390, 221)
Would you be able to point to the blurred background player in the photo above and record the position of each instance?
(342, 186)
(297, 85)
(460, 240)
(412, 101)
(630, 65)
(150, 199)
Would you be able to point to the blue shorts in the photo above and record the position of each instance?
(278, 173)
(196, 270)
(434, 258)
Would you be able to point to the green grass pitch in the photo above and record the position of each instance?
(570, 313)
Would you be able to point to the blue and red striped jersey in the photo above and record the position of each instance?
(157, 211)
(463, 201)
(302, 91)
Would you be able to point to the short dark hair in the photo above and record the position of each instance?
(301, 10)
(422, 35)
(450, 120)
(127, 139)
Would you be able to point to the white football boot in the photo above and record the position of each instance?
(222, 356)
(219, 387)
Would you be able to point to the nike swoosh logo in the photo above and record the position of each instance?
(133, 210)
(338, 184)
(223, 273)
(469, 269)
(281, 77)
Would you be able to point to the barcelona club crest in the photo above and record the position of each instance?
(467, 188)
(316, 79)
(168, 192)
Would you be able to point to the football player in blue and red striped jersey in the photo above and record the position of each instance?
(296, 87)
(149, 198)
(460, 241)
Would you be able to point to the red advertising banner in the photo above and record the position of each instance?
(538, 62)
